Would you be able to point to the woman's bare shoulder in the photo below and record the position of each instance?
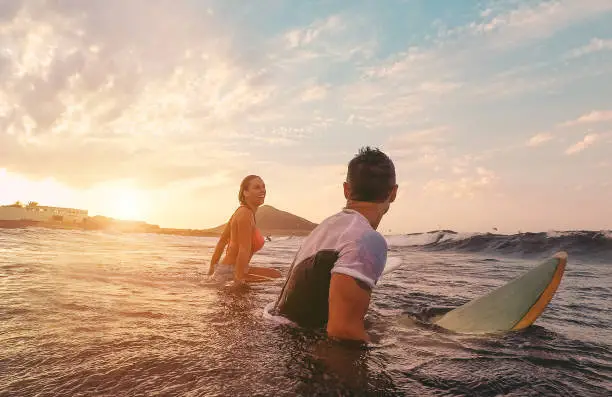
(242, 214)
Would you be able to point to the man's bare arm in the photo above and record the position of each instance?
(349, 299)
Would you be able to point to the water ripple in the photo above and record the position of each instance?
(93, 313)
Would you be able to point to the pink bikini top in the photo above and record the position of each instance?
(258, 240)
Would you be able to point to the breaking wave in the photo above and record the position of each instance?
(592, 244)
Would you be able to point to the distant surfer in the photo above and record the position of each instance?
(339, 263)
(242, 238)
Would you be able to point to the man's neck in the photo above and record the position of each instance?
(371, 211)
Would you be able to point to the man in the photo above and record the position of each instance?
(339, 263)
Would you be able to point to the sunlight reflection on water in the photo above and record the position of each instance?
(88, 313)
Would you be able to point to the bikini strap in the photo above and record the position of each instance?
(244, 205)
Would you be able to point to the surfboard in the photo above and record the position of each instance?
(513, 306)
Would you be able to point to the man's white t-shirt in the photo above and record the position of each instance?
(343, 243)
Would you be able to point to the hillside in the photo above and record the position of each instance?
(272, 221)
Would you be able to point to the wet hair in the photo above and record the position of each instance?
(244, 185)
(371, 174)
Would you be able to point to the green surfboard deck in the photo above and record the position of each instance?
(515, 304)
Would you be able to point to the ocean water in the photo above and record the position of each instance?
(102, 314)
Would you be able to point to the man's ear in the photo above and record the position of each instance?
(347, 190)
(393, 194)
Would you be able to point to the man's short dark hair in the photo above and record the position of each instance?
(371, 174)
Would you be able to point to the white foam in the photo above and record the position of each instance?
(411, 240)
(556, 234)
(425, 238)
(283, 238)
(458, 236)
(393, 263)
(277, 319)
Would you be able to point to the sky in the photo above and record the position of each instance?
(495, 113)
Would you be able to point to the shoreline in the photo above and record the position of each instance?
(134, 227)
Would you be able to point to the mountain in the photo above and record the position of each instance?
(272, 221)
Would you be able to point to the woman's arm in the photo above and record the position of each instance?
(243, 229)
(219, 247)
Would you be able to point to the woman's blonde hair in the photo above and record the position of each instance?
(244, 185)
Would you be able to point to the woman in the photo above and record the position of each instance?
(242, 238)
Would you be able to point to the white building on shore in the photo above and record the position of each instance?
(41, 213)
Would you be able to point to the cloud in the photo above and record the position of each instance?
(379, 108)
(401, 63)
(85, 163)
(526, 22)
(596, 116)
(88, 97)
(419, 148)
(539, 139)
(595, 45)
(503, 85)
(305, 36)
(86, 92)
(314, 93)
(439, 87)
(436, 151)
(486, 12)
(429, 136)
(464, 187)
(394, 92)
(458, 63)
(461, 164)
(587, 141)
(324, 44)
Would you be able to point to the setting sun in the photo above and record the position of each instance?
(197, 193)
(128, 204)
